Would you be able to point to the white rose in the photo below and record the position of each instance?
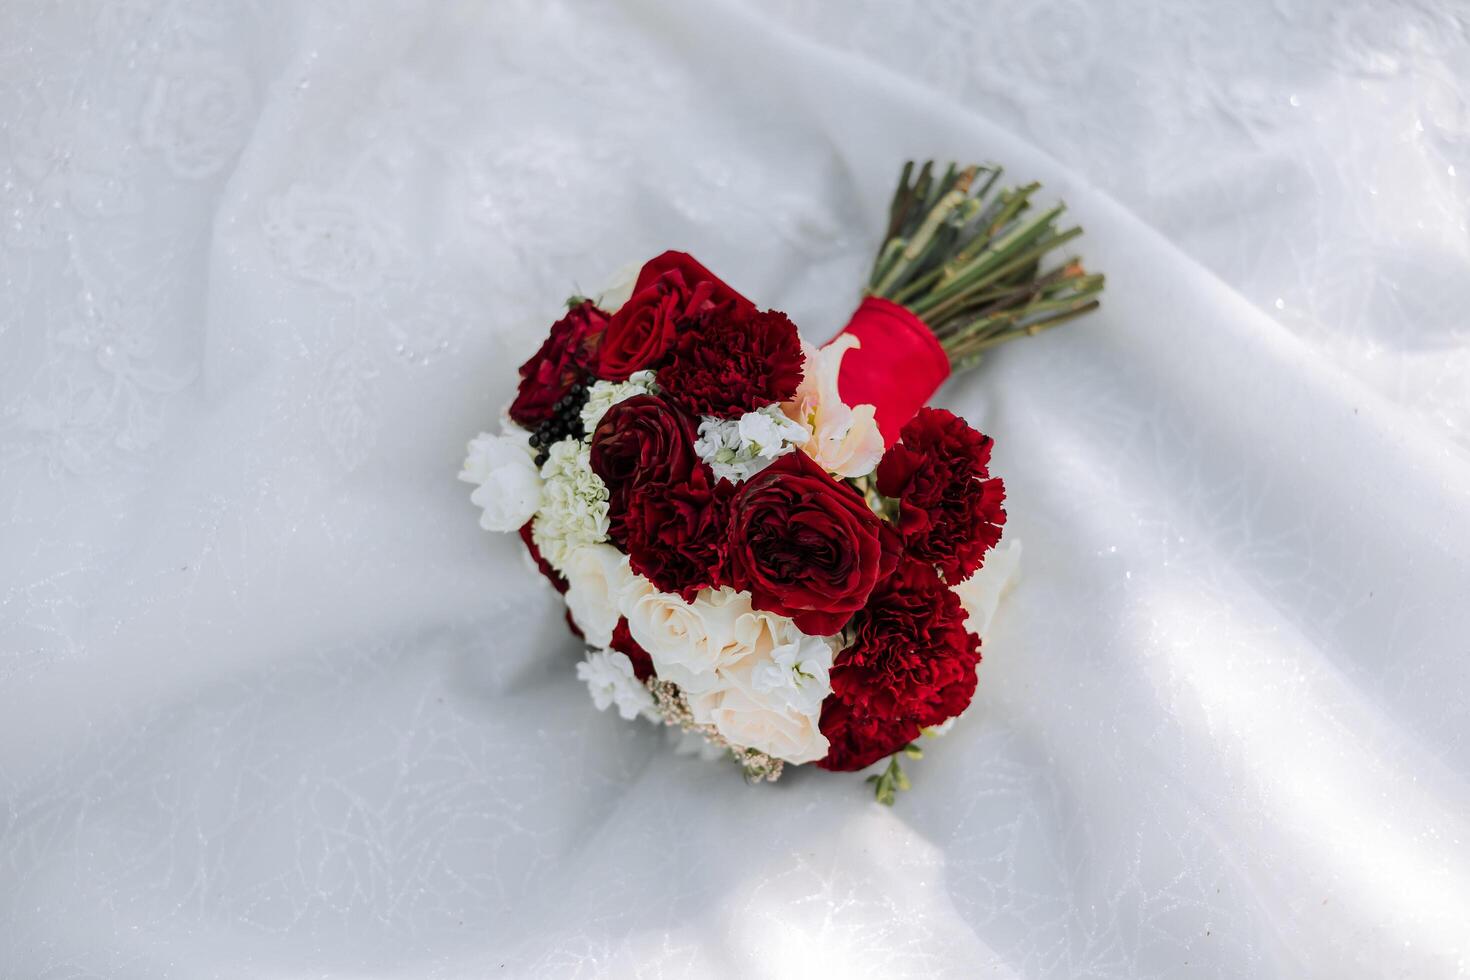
(688, 641)
(508, 486)
(618, 289)
(610, 680)
(745, 718)
(598, 580)
(980, 593)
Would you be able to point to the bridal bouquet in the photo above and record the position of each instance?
(770, 544)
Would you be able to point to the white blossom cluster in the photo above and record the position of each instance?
(737, 449)
(605, 394)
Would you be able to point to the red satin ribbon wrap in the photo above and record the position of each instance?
(899, 366)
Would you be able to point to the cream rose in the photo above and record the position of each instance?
(599, 583)
(688, 641)
(746, 718)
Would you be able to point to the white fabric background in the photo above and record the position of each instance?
(272, 706)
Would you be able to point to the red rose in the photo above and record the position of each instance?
(639, 441)
(804, 545)
(730, 361)
(557, 582)
(639, 335)
(949, 513)
(561, 362)
(623, 642)
(910, 663)
(675, 532)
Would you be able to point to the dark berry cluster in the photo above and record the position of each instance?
(565, 421)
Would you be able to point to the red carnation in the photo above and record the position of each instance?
(675, 533)
(641, 332)
(910, 664)
(639, 441)
(552, 576)
(623, 642)
(561, 362)
(853, 745)
(950, 513)
(731, 361)
(804, 545)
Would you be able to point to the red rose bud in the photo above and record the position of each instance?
(804, 545)
(950, 513)
(561, 362)
(910, 664)
(730, 361)
(640, 440)
(676, 533)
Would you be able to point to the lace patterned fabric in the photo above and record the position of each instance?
(271, 705)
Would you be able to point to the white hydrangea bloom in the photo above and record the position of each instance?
(737, 449)
(605, 394)
(507, 486)
(573, 504)
(610, 680)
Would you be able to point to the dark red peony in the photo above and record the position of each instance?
(675, 532)
(642, 331)
(639, 441)
(804, 545)
(910, 663)
(552, 576)
(950, 511)
(563, 360)
(729, 362)
(623, 642)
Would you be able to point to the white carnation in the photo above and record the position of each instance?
(507, 486)
(610, 680)
(573, 504)
(737, 449)
(605, 394)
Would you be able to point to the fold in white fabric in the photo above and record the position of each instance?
(272, 705)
